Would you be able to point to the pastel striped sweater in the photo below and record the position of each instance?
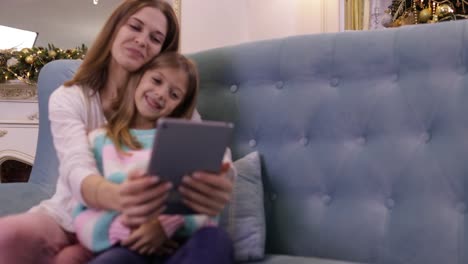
(98, 230)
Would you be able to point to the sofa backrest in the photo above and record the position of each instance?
(363, 137)
(51, 76)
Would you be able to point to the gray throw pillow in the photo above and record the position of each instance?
(244, 217)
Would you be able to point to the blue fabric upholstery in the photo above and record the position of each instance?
(19, 197)
(363, 138)
(282, 259)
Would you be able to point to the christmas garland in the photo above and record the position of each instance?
(25, 64)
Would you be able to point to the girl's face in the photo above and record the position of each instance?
(139, 39)
(158, 94)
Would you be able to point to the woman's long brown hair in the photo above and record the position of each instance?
(93, 71)
(119, 124)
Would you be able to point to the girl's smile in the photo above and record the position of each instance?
(155, 103)
(158, 94)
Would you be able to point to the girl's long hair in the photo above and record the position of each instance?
(93, 71)
(119, 124)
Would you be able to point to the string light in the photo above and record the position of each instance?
(95, 2)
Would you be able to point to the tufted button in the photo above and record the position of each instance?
(233, 88)
(395, 77)
(426, 137)
(334, 82)
(279, 85)
(390, 203)
(361, 140)
(304, 141)
(252, 143)
(273, 197)
(461, 207)
(326, 199)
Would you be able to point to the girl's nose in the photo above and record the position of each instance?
(161, 101)
(160, 97)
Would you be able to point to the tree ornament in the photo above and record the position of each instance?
(425, 15)
(386, 19)
(29, 59)
(443, 10)
(407, 19)
(52, 53)
(397, 23)
(25, 50)
(11, 62)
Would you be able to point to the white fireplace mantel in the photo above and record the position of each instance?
(19, 122)
(10, 154)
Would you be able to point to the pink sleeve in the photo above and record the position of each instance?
(117, 231)
(171, 223)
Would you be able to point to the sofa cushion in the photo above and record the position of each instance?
(20, 197)
(243, 218)
(282, 259)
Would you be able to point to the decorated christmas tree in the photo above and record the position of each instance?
(408, 12)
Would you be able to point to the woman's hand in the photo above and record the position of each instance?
(142, 198)
(147, 239)
(207, 193)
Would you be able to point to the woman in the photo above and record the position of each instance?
(136, 32)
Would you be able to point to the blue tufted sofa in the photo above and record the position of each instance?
(363, 137)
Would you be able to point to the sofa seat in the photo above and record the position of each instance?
(363, 138)
(281, 259)
(19, 197)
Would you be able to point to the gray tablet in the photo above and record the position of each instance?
(182, 147)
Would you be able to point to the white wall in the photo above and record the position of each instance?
(205, 23)
(209, 24)
(64, 23)
(212, 23)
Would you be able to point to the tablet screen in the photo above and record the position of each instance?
(182, 147)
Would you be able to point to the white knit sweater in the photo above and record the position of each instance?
(72, 116)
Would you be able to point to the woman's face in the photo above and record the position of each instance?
(158, 94)
(139, 39)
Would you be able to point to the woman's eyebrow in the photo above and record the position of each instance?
(142, 23)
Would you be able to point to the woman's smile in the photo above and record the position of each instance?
(133, 52)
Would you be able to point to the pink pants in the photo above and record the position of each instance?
(37, 238)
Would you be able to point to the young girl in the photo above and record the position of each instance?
(167, 87)
(135, 33)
